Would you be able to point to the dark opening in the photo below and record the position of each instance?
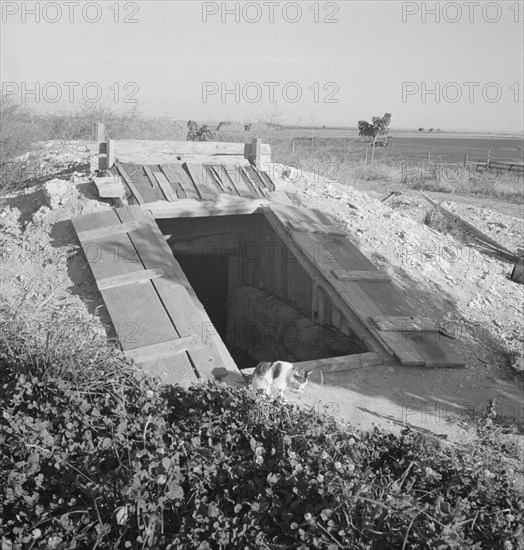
(208, 276)
(257, 295)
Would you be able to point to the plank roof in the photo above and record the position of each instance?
(200, 181)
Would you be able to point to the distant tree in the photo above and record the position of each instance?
(421, 129)
(430, 130)
(376, 132)
(198, 132)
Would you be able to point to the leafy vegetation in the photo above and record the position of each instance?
(198, 132)
(377, 132)
(95, 454)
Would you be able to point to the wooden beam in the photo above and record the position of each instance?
(130, 148)
(481, 237)
(149, 175)
(195, 173)
(110, 153)
(142, 276)
(403, 323)
(343, 275)
(255, 152)
(342, 363)
(102, 232)
(190, 208)
(164, 349)
(130, 184)
(255, 189)
(164, 184)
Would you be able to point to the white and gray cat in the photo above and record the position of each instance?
(279, 376)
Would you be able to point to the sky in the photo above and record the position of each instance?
(448, 65)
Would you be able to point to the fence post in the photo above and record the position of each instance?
(366, 158)
(465, 161)
(429, 156)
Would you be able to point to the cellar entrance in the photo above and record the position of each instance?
(255, 292)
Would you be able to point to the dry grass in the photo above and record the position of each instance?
(446, 178)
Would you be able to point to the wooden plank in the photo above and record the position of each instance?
(219, 186)
(165, 186)
(147, 188)
(421, 349)
(212, 338)
(475, 232)
(402, 323)
(117, 229)
(191, 208)
(176, 174)
(238, 182)
(139, 318)
(327, 253)
(178, 191)
(220, 174)
(142, 276)
(267, 180)
(316, 228)
(181, 303)
(129, 183)
(253, 189)
(256, 179)
(402, 348)
(164, 349)
(255, 183)
(343, 275)
(203, 148)
(149, 175)
(342, 363)
(195, 172)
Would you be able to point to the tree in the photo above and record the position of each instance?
(198, 132)
(376, 132)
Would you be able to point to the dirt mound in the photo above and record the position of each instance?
(444, 278)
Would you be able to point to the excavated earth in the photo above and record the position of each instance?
(44, 275)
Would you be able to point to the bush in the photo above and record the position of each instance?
(125, 463)
(198, 132)
(18, 130)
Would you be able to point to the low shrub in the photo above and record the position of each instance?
(127, 463)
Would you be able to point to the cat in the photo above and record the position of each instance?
(279, 376)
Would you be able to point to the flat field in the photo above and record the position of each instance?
(416, 147)
(345, 144)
